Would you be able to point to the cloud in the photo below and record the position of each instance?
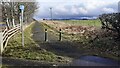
(74, 10)
(61, 8)
(83, 10)
(77, 8)
(110, 10)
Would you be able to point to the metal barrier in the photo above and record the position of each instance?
(6, 35)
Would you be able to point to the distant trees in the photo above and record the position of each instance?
(10, 11)
(111, 21)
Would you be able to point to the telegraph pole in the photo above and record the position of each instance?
(51, 13)
(22, 10)
(119, 7)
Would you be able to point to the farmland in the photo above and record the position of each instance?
(96, 22)
(88, 35)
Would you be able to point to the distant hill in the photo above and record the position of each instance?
(78, 18)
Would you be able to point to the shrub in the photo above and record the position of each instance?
(111, 21)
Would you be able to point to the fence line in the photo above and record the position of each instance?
(6, 35)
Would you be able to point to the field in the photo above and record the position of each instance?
(75, 26)
(96, 22)
(89, 35)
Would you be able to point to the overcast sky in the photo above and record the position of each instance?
(75, 8)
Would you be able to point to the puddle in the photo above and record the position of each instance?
(94, 61)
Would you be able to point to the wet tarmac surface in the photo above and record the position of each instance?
(94, 61)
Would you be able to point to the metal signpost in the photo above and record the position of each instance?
(21, 22)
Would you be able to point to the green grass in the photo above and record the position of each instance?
(101, 47)
(31, 50)
(83, 22)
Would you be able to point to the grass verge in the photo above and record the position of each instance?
(31, 50)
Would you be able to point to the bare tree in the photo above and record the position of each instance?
(11, 11)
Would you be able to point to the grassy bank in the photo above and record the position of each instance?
(102, 46)
(31, 50)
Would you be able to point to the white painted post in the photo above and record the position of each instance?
(8, 23)
(1, 43)
(13, 20)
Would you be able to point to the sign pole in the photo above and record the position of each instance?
(22, 30)
(22, 10)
